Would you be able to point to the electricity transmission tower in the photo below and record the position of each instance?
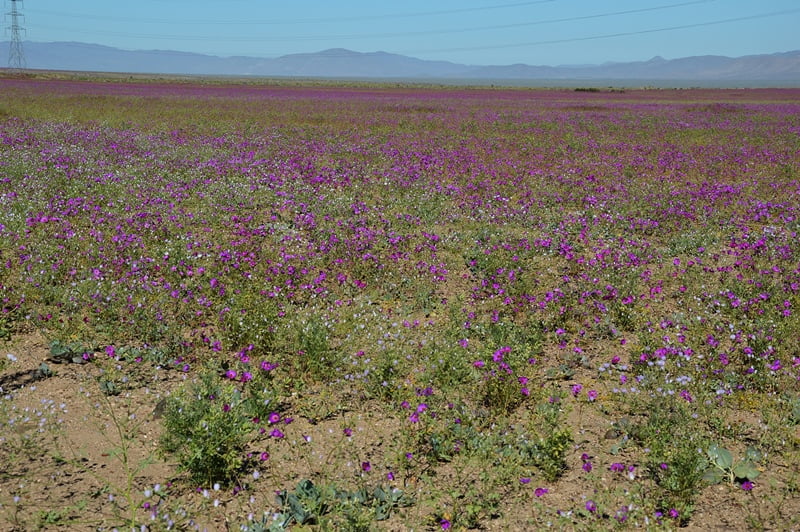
(16, 57)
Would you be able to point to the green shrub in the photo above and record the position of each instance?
(207, 426)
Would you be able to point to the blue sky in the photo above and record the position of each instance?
(479, 32)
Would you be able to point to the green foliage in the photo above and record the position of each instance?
(262, 396)
(108, 387)
(794, 415)
(502, 384)
(678, 476)
(673, 460)
(500, 393)
(388, 500)
(549, 453)
(623, 316)
(723, 466)
(75, 352)
(250, 320)
(472, 505)
(315, 358)
(548, 413)
(385, 379)
(7, 323)
(63, 517)
(43, 371)
(308, 504)
(161, 356)
(526, 340)
(434, 442)
(207, 426)
(446, 368)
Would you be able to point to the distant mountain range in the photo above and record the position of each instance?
(340, 63)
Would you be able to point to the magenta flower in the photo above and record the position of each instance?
(268, 366)
(576, 389)
(500, 353)
(541, 491)
(592, 395)
(587, 463)
(366, 466)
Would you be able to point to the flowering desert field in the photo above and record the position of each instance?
(252, 305)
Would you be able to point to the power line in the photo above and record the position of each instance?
(606, 36)
(459, 30)
(293, 21)
(516, 24)
(577, 18)
(301, 38)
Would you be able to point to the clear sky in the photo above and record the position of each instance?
(476, 32)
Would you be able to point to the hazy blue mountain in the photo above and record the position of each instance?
(341, 63)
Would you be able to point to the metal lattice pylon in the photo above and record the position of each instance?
(16, 56)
